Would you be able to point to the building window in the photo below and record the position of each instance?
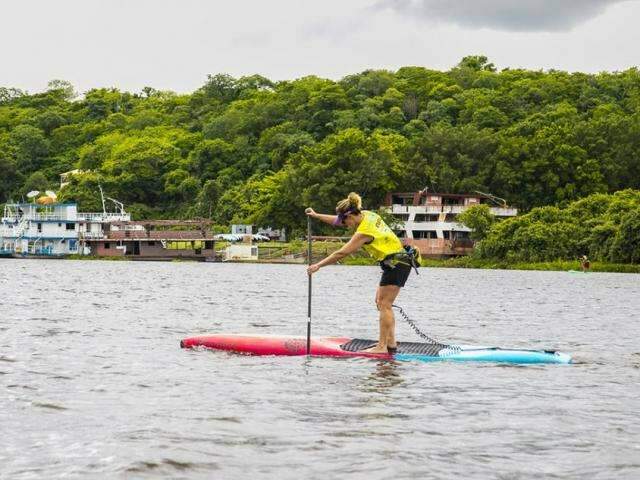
(107, 245)
(208, 245)
(426, 217)
(404, 217)
(402, 234)
(151, 243)
(401, 200)
(418, 234)
(71, 226)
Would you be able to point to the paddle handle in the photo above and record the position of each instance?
(309, 286)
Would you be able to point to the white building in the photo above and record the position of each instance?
(241, 229)
(428, 220)
(243, 251)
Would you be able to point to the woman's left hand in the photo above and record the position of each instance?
(311, 269)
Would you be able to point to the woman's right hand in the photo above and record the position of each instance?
(310, 211)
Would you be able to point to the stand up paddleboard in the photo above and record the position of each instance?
(430, 351)
(351, 347)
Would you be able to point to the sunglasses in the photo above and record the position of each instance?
(341, 216)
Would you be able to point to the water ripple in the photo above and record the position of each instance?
(94, 380)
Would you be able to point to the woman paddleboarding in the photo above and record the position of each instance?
(374, 236)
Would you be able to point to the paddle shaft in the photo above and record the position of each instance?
(309, 292)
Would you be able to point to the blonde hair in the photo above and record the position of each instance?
(353, 202)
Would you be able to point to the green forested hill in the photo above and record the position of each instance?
(606, 227)
(255, 150)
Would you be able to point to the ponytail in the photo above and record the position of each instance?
(351, 204)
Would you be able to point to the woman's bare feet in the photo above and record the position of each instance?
(375, 349)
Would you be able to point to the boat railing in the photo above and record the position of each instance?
(102, 217)
(35, 217)
(92, 235)
(80, 217)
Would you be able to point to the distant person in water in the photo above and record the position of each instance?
(377, 239)
(585, 263)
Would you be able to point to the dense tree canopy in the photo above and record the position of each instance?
(605, 227)
(256, 150)
(479, 219)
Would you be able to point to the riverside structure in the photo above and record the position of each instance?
(428, 220)
(49, 231)
(56, 230)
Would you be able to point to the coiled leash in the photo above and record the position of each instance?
(420, 333)
(411, 257)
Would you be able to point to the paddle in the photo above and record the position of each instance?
(309, 292)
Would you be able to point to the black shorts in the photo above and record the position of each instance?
(395, 276)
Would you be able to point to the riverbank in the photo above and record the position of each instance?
(471, 262)
(557, 265)
(295, 253)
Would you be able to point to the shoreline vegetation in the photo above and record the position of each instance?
(606, 227)
(319, 250)
(563, 148)
(557, 265)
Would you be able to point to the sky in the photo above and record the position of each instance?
(174, 44)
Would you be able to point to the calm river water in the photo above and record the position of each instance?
(94, 384)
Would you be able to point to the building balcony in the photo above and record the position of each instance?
(435, 226)
(432, 208)
(454, 209)
(399, 209)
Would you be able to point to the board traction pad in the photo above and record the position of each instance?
(429, 349)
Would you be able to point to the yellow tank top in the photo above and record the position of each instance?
(384, 241)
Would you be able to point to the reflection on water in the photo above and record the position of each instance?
(94, 385)
(385, 377)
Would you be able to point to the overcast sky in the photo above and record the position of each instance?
(174, 44)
